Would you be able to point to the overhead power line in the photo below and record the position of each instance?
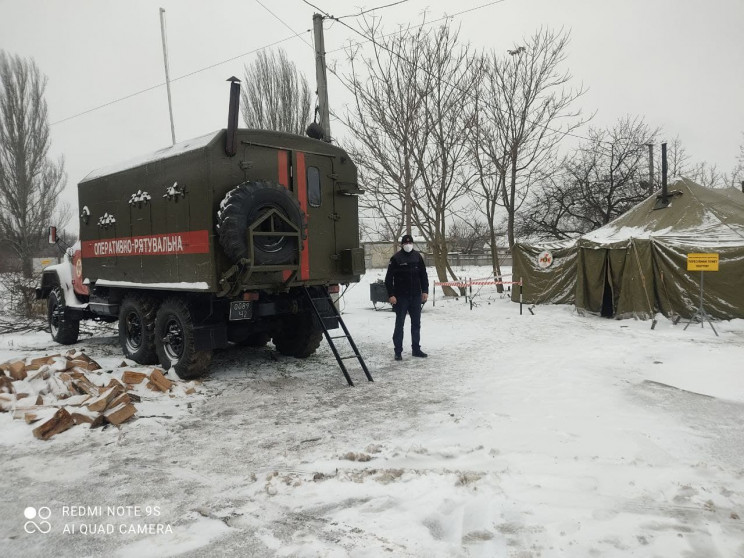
(404, 59)
(373, 9)
(184, 76)
(280, 41)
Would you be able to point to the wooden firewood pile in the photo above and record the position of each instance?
(61, 391)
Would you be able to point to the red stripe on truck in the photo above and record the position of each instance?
(170, 244)
(302, 198)
(283, 160)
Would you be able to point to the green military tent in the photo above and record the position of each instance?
(636, 265)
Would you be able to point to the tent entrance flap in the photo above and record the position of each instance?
(608, 308)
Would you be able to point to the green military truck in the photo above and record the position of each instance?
(227, 238)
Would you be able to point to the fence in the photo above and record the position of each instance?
(378, 256)
(468, 285)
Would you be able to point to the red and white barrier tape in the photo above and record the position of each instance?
(468, 283)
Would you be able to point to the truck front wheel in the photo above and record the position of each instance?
(174, 340)
(63, 330)
(298, 337)
(137, 328)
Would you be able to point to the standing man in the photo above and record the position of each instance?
(407, 288)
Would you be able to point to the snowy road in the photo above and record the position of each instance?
(535, 435)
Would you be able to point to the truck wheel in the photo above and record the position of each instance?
(298, 337)
(63, 330)
(137, 328)
(174, 340)
(245, 204)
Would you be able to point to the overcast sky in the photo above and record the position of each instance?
(677, 63)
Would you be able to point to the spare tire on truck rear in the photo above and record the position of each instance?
(243, 206)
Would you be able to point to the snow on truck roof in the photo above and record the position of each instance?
(159, 155)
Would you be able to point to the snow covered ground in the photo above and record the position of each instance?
(521, 435)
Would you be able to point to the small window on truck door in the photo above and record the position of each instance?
(313, 186)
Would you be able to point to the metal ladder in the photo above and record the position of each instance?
(335, 314)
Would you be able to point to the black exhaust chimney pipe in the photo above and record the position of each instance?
(663, 200)
(664, 191)
(231, 136)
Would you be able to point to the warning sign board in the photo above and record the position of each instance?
(702, 262)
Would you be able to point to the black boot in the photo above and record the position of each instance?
(419, 353)
(398, 356)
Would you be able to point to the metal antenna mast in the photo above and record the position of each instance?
(167, 74)
(320, 76)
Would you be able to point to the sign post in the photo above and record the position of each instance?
(702, 263)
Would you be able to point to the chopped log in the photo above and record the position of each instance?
(158, 381)
(118, 400)
(116, 383)
(60, 422)
(17, 370)
(33, 413)
(102, 401)
(82, 416)
(20, 412)
(34, 373)
(77, 400)
(39, 400)
(84, 385)
(7, 401)
(60, 363)
(30, 417)
(134, 397)
(6, 385)
(85, 362)
(120, 414)
(67, 380)
(37, 363)
(132, 377)
(58, 388)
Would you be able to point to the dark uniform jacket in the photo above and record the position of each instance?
(406, 275)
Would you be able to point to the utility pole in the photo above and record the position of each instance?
(167, 74)
(320, 76)
(651, 167)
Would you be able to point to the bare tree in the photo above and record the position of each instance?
(450, 72)
(30, 182)
(737, 175)
(678, 161)
(276, 95)
(525, 110)
(408, 122)
(708, 175)
(385, 122)
(467, 236)
(600, 181)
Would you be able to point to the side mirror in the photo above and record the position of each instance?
(52, 235)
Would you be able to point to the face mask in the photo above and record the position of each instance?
(408, 247)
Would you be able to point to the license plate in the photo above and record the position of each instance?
(240, 310)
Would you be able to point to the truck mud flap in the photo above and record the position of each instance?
(330, 323)
(209, 337)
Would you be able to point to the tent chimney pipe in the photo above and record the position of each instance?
(664, 191)
(650, 168)
(232, 118)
